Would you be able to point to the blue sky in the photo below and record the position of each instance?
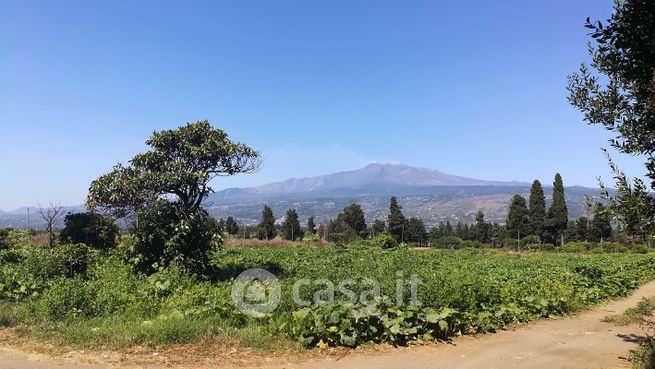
(473, 88)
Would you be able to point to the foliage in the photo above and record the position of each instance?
(352, 217)
(415, 231)
(162, 237)
(291, 227)
(447, 242)
(93, 229)
(618, 93)
(311, 225)
(385, 241)
(601, 227)
(4, 238)
(537, 209)
(231, 226)
(266, 228)
(395, 220)
(74, 258)
(557, 218)
(180, 163)
(517, 217)
(378, 227)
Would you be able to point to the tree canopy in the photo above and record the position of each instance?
(178, 167)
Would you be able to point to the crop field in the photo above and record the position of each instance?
(95, 300)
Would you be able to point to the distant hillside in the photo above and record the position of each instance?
(429, 194)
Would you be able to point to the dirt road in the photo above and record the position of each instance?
(578, 342)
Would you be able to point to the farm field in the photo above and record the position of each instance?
(98, 302)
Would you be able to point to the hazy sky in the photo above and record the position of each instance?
(473, 88)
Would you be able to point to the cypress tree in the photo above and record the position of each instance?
(537, 209)
(266, 229)
(558, 217)
(517, 218)
(395, 220)
(291, 226)
(231, 226)
(311, 225)
(480, 227)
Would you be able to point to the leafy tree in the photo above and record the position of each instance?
(291, 227)
(448, 229)
(601, 226)
(163, 237)
(311, 225)
(378, 227)
(353, 217)
(415, 231)
(537, 209)
(557, 218)
(231, 226)
(632, 206)
(396, 220)
(481, 228)
(517, 218)
(266, 228)
(179, 165)
(92, 229)
(618, 92)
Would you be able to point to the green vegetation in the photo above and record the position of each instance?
(102, 302)
(633, 315)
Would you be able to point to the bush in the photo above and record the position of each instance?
(163, 238)
(448, 242)
(531, 242)
(639, 249)
(575, 247)
(613, 247)
(4, 238)
(473, 244)
(546, 247)
(93, 229)
(385, 241)
(74, 258)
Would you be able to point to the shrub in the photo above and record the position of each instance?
(473, 244)
(92, 229)
(531, 242)
(74, 258)
(163, 238)
(613, 247)
(385, 241)
(546, 247)
(640, 249)
(575, 247)
(4, 238)
(448, 242)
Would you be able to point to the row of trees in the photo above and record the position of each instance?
(530, 220)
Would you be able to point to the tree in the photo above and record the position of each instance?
(481, 228)
(231, 226)
(378, 227)
(517, 218)
(353, 217)
(415, 231)
(163, 237)
(51, 217)
(291, 227)
(601, 227)
(578, 230)
(92, 229)
(632, 206)
(537, 209)
(179, 166)
(557, 218)
(311, 225)
(396, 220)
(266, 228)
(619, 90)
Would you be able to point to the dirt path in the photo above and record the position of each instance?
(578, 342)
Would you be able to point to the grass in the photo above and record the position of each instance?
(634, 315)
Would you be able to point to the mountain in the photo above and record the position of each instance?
(373, 179)
(429, 194)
